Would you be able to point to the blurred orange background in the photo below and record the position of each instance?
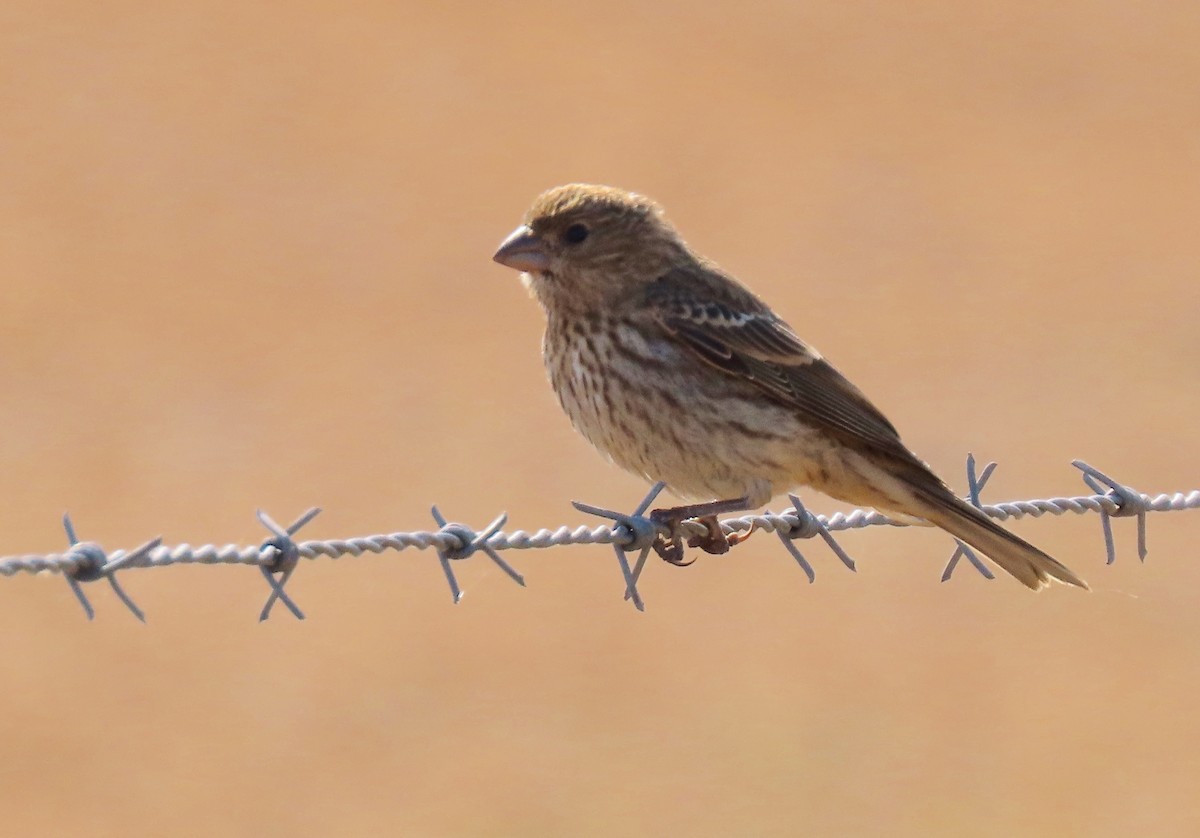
(246, 263)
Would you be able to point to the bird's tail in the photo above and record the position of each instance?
(1028, 564)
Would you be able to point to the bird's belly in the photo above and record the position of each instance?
(655, 410)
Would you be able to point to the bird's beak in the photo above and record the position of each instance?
(524, 251)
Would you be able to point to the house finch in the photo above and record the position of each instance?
(677, 372)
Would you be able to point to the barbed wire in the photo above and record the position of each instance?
(278, 557)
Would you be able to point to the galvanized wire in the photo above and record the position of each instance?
(278, 557)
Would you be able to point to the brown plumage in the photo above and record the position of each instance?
(677, 372)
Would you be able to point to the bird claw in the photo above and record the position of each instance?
(714, 540)
(737, 538)
(671, 551)
(670, 547)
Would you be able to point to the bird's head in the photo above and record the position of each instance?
(584, 245)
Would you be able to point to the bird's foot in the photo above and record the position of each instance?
(669, 547)
(671, 551)
(714, 541)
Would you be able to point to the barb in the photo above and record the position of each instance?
(808, 525)
(279, 555)
(1128, 501)
(639, 534)
(91, 564)
(975, 484)
(468, 543)
(284, 560)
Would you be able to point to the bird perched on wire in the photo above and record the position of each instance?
(678, 372)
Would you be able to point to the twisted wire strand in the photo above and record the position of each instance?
(75, 561)
(279, 555)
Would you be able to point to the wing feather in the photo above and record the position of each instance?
(727, 326)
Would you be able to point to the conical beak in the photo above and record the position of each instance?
(523, 251)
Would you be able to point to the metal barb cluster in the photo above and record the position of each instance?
(1128, 503)
(91, 564)
(468, 543)
(278, 557)
(975, 484)
(807, 525)
(283, 561)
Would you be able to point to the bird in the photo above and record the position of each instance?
(677, 372)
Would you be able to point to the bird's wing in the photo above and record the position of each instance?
(727, 326)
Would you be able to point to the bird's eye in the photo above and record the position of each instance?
(575, 234)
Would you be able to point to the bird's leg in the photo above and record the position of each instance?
(713, 541)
